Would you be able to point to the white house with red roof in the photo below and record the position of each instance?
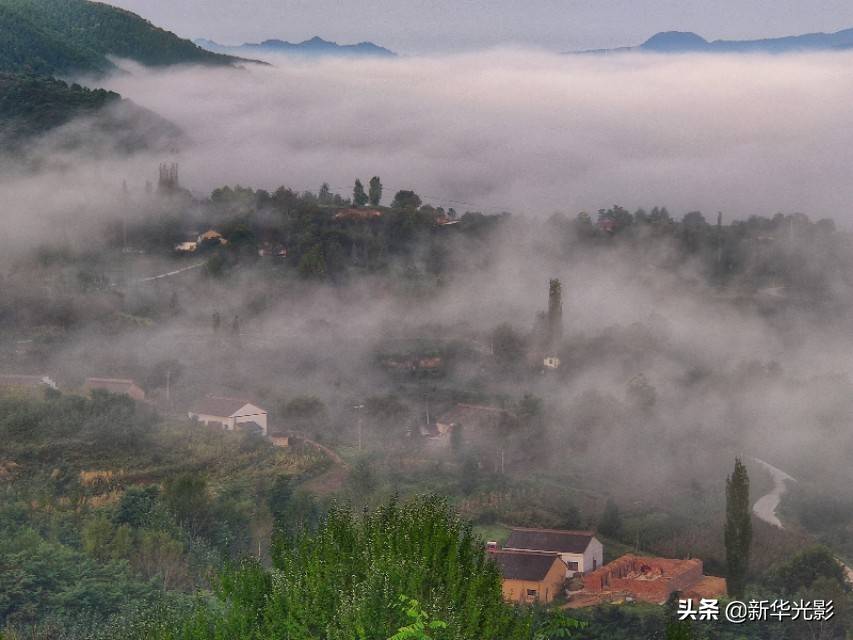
(232, 414)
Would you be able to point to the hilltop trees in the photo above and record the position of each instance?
(359, 197)
(406, 200)
(738, 530)
(324, 196)
(375, 191)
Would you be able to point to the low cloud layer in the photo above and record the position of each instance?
(515, 130)
(527, 132)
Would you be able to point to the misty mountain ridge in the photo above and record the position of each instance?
(31, 106)
(61, 37)
(316, 46)
(43, 39)
(689, 42)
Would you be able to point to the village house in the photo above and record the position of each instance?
(529, 576)
(581, 551)
(115, 385)
(648, 579)
(231, 414)
(25, 382)
(186, 247)
(551, 362)
(211, 238)
(272, 250)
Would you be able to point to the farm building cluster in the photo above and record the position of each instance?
(228, 413)
(540, 565)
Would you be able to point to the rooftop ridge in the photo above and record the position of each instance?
(574, 532)
(527, 552)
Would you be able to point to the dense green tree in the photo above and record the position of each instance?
(556, 625)
(346, 581)
(804, 569)
(280, 496)
(188, 498)
(375, 191)
(611, 520)
(738, 529)
(694, 219)
(313, 263)
(420, 625)
(136, 506)
(406, 200)
(325, 194)
(359, 197)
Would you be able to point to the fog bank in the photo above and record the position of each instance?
(527, 132)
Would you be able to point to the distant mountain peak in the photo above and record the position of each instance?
(675, 40)
(689, 42)
(315, 46)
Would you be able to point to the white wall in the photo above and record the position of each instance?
(593, 556)
(589, 560)
(249, 413)
(225, 423)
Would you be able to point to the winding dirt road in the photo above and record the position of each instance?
(765, 507)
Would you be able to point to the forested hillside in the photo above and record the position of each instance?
(105, 508)
(29, 105)
(44, 38)
(56, 37)
(33, 105)
(27, 47)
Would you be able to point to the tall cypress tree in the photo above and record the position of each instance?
(738, 532)
(375, 192)
(359, 197)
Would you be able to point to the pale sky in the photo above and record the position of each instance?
(417, 26)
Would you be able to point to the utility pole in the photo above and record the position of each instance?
(169, 389)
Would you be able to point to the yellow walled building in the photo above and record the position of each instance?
(530, 576)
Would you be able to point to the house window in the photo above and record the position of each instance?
(531, 593)
(573, 566)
